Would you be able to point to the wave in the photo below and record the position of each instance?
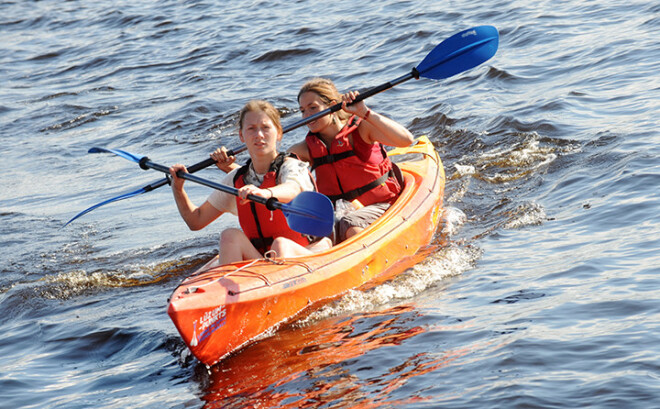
(280, 55)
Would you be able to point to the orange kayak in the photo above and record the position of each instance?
(220, 308)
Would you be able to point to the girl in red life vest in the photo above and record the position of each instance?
(346, 150)
(267, 174)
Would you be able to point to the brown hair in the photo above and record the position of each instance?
(327, 91)
(259, 105)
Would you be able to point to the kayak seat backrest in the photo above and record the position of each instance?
(398, 175)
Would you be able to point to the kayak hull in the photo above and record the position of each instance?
(218, 309)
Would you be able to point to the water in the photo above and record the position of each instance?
(544, 295)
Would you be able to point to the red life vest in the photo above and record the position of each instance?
(259, 224)
(360, 171)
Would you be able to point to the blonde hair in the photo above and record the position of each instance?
(259, 105)
(327, 91)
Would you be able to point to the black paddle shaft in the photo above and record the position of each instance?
(271, 203)
(192, 169)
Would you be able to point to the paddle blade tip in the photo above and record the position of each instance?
(119, 152)
(460, 52)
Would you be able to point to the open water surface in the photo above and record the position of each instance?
(545, 293)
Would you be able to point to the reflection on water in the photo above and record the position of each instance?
(310, 366)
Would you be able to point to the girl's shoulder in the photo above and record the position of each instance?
(301, 150)
(294, 170)
(292, 163)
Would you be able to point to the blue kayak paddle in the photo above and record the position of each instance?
(454, 55)
(308, 213)
(154, 185)
(460, 52)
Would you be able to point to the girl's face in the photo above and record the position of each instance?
(310, 104)
(259, 134)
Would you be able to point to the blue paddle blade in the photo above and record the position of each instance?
(310, 213)
(460, 52)
(118, 152)
(114, 199)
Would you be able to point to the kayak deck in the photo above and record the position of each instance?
(218, 309)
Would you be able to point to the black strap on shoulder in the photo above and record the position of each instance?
(355, 121)
(279, 160)
(330, 158)
(242, 171)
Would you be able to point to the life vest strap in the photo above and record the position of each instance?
(355, 193)
(331, 158)
(262, 243)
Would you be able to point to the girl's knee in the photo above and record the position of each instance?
(231, 235)
(235, 246)
(352, 231)
(279, 246)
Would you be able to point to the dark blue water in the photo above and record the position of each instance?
(545, 294)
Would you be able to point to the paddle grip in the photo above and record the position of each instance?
(156, 185)
(201, 165)
(271, 203)
(208, 162)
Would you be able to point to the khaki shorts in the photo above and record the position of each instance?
(362, 218)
